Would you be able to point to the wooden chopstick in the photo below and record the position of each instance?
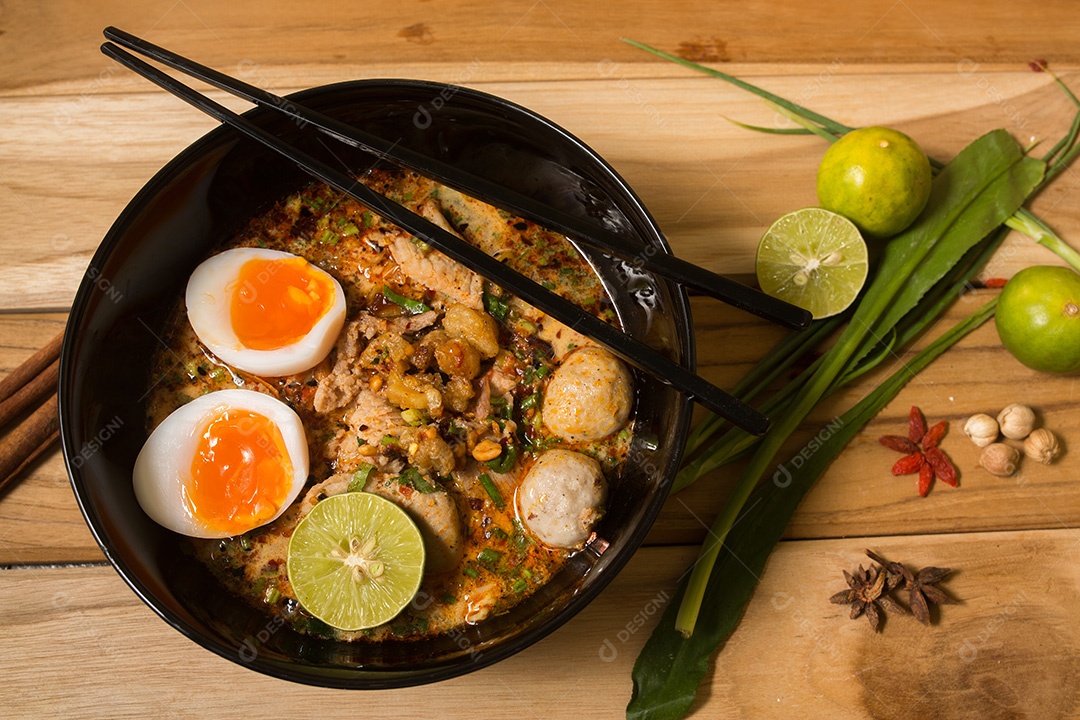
(35, 378)
(630, 349)
(587, 233)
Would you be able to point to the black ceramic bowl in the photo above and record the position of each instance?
(197, 201)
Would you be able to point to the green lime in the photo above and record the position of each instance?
(877, 177)
(355, 561)
(1038, 318)
(812, 258)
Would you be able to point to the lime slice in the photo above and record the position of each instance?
(355, 561)
(813, 258)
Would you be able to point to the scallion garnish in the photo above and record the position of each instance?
(496, 307)
(491, 490)
(415, 307)
(360, 477)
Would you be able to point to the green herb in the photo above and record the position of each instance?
(489, 556)
(415, 307)
(505, 462)
(368, 219)
(471, 571)
(388, 440)
(360, 477)
(411, 477)
(413, 417)
(491, 490)
(447, 599)
(520, 585)
(909, 267)
(496, 307)
(327, 237)
(360, 442)
(671, 666)
(530, 401)
(245, 543)
(921, 272)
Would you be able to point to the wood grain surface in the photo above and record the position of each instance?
(79, 136)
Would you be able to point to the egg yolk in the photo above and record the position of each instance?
(241, 473)
(277, 302)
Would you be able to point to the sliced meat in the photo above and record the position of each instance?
(437, 272)
(437, 516)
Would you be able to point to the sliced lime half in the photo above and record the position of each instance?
(355, 561)
(813, 258)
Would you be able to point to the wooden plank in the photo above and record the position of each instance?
(1012, 644)
(522, 40)
(859, 496)
(713, 187)
(856, 496)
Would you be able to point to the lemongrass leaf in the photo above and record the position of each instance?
(825, 122)
(771, 131)
(671, 667)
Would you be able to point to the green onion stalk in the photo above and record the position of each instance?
(985, 186)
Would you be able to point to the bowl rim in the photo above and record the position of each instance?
(365, 678)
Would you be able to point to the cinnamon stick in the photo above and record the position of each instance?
(23, 398)
(30, 368)
(28, 440)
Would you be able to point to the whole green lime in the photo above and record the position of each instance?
(877, 177)
(1038, 318)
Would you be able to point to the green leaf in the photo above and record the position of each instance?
(671, 667)
(1002, 197)
(955, 188)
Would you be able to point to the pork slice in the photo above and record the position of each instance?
(437, 272)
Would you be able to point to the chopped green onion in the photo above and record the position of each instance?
(328, 237)
(245, 543)
(492, 491)
(496, 307)
(360, 477)
(368, 219)
(488, 556)
(350, 229)
(530, 401)
(388, 440)
(448, 599)
(413, 417)
(520, 585)
(413, 306)
(470, 571)
(360, 441)
(505, 462)
(412, 478)
(271, 595)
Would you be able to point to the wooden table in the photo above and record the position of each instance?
(79, 136)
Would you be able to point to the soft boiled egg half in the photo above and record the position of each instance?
(266, 312)
(225, 463)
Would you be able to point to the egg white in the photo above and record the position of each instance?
(163, 467)
(209, 299)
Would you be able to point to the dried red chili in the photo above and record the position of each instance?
(921, 452)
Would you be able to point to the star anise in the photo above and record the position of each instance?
(921, 586)
(866, 594)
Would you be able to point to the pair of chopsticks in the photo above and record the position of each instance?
(31, 384)
(635, 352)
